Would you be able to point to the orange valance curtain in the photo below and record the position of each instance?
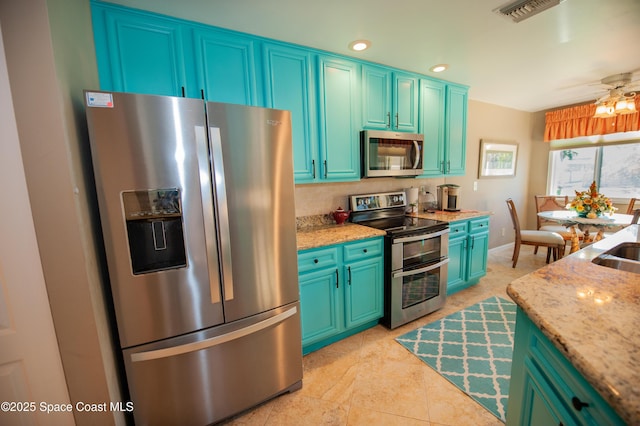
(578, 121)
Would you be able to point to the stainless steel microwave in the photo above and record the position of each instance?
(391, 153)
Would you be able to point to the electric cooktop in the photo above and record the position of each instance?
(386, 211)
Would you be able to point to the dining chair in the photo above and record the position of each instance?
(552, 240)
(632, 203)
(548, 203)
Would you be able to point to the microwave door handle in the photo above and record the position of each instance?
(421, 270)
(202, 153)
(416, 160)
(217, 166)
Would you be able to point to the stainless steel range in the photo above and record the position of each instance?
(416, 255)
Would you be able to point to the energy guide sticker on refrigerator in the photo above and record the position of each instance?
(197, 212)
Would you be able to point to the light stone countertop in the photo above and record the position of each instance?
(591, 313)
(325, 235)
(452, 216)
(321, 230)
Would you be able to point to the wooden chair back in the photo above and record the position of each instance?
(547, 203)
(514, 217)
(636, 216)
(632, 203)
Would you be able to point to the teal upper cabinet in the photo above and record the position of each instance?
(389, 100)
(338, 100)
(331, 97)
(443, 121)
(432, 101)
(376, 97)
(138, 52)
(225, 67)
(405, 103)
(456, 130)
(289, 84)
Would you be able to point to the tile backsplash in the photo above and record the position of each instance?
(321, 199)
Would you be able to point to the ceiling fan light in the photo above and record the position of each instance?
(621, 106)
(629, 107)
(604, 111)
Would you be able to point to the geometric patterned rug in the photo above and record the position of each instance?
(471, 348)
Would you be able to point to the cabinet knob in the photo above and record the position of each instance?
(315, 260)
(577, 404)
(365, 250)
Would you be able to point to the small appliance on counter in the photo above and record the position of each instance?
(449, 197)
(412, 199)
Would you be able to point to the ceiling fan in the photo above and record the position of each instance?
(620, 99)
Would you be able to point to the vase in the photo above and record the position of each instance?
(584, 214)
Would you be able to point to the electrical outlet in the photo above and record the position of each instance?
(503, 231)
(475, 185)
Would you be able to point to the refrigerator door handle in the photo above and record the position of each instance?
(202, 152)
(217, 170)
(213, 341)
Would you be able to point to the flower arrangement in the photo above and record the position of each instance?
(591, 204)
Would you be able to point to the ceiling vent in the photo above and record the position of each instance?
(522, 9)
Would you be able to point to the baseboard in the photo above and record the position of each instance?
(501, 247)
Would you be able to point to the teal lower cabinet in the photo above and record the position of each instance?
(468, 250)
(341, 291)
(546, 389)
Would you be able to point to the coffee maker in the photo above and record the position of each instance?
(449, 197)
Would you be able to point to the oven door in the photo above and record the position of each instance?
(422, 284)
(416, 284)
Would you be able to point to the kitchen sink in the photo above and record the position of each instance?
(624, 257)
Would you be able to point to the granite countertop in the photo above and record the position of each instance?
(320, 232)
(591, 313)
(452, 216)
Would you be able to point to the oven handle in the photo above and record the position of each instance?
(421, 270)
(421, 237)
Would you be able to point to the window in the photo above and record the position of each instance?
(615, 168)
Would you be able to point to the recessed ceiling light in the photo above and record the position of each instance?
(439, 68)
(359, 45)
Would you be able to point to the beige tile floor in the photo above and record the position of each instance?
(369, 379)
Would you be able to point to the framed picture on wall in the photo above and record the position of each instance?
(497, 158)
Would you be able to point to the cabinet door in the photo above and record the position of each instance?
(225, 67)
(432, 101)
(478, 250)
(320, 305)
(138, 52)
(457, 266)
(541, 406)
(363, 291)
(405, 103)
(339, 119)
(376, 98)
(289, 85)
(456, 130)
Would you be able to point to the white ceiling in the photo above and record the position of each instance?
(552, 59)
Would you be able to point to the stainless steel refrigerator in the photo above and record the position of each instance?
(197, 211)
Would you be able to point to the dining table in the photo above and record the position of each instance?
(570, 219)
